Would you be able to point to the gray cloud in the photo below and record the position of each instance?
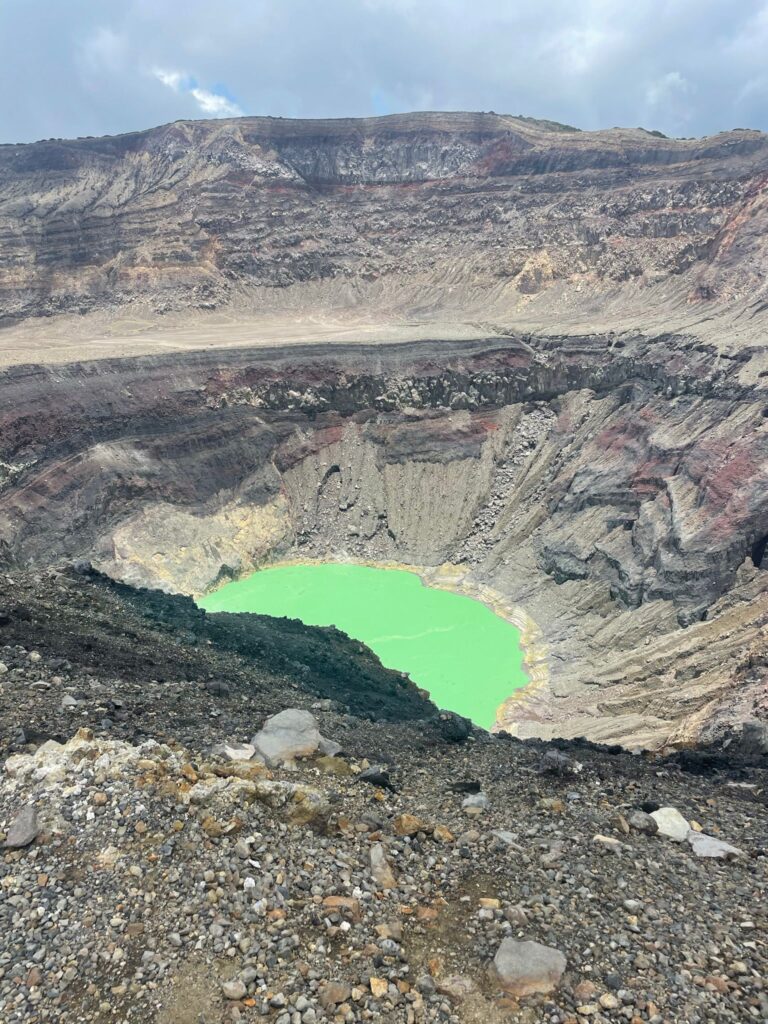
(85, 67)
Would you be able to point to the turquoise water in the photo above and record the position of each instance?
(467, 657)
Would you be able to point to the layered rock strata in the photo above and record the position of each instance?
(409, 217)
(588, 453)
(613, 487)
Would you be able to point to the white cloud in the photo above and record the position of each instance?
(103, 50)
(668, 87)
(212, 104)
(172, 79)
(578, 50)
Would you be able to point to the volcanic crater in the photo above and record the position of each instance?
(523, 360)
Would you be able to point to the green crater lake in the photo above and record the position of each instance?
(467, 657)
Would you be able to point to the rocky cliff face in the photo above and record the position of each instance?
(407, 215)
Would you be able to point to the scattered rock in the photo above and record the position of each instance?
(239, 752)
(475, 804)
(381, 869)
(553, 803)
(330, 765)
(527, 968)
(329, 748)
(554, 854)
(707, 846)
(377, 776)
(332, 993)
(639, 821)
(379, 987)
(671, 823)
(454, 728)
(465, 786)
(621, 824)
(287, 735)
(409, 825)
(217, 688)
(360, 896)
(24, 829)
(555, 762)
(234, 989)
(608, 843)
(507, 838)
(457, 987)
(345, 905)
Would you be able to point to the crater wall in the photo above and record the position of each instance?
(413, 217)
(613, 487)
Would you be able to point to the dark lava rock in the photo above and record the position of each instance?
(138, 633)
(217, 688)
(454, 728)
(465, 786)
(554, 762)
(377, 776)
(754, 739)
(643, 822)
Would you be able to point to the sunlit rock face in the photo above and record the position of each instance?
(413, 215)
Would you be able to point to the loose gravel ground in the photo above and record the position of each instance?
(168, 884)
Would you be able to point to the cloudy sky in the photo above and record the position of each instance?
(94, 67)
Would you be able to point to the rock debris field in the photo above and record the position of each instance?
(283, 875)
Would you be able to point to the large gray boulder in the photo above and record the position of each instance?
(24, 829)
(290, 734)
(525, 968)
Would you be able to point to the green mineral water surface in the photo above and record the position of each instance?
(467, 657)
